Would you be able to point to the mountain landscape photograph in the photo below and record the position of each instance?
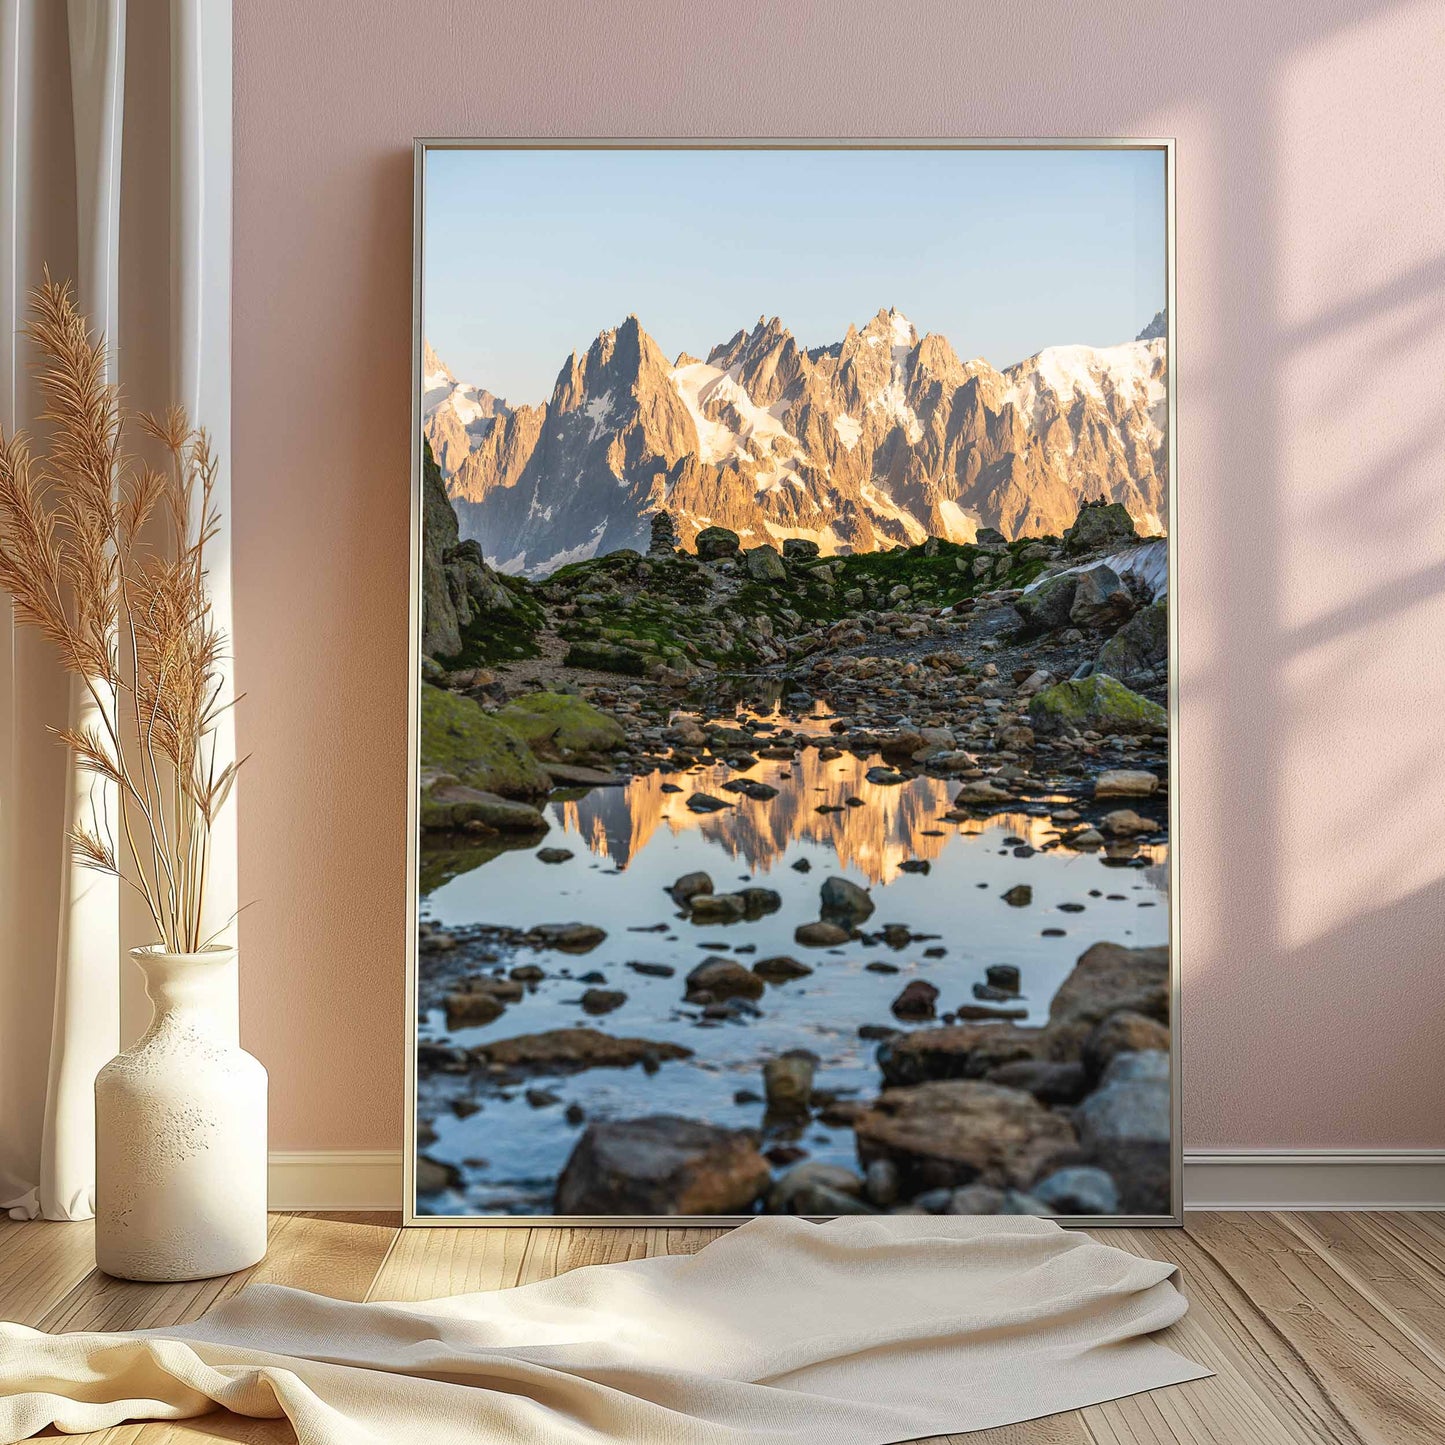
(793, 735)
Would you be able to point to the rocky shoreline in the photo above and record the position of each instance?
(1030, 677)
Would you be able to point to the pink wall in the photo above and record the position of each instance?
(1311, 268)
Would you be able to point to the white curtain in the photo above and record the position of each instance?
(115, 170)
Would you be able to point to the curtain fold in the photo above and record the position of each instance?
(115, 170)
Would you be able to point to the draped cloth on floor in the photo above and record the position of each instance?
(855, 1332)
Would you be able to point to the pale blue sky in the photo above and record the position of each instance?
(529, 254)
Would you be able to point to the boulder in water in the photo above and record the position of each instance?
(662, 1165)
(568, 1051)
(959, 1132)
(724, 978)
(844, 902)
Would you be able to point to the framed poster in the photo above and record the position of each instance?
(792, 748)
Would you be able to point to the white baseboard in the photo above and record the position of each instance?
(335, 1179)
(1213, 1179)
(1314, 1179)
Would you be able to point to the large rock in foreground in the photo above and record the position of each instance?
(1109, 977)
(562, 726)
(662, 1165)
(947, 1134)
(1101, 600)
(477, 749)
(1138, 653)
(960, 1051)
(447, 805)
(1125, 1126)
(568, 1051)
(1099, 703)
(1047, 605)
(765, 565)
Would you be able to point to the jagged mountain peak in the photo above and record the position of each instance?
(1157, 329)
(891, 324)
(767, 361)
(767, 333)
(935, 355)
(435, 372)
(456, 415)
(619, 357)
(878, 439)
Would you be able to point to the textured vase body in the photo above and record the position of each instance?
(180, 1190)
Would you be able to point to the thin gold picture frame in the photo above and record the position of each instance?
(422, 147)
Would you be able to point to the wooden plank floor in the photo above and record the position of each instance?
(1323, 1329)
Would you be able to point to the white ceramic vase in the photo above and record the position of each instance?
(180, 1188)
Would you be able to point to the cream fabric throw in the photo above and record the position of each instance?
(854, 1332)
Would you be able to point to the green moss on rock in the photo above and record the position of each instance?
(713, 543)
(472, 616)
(479, 750)
(1098, 702)
(608, 657)
(448, 806)
(1099, 524)
(1139, 651)
(561, 725)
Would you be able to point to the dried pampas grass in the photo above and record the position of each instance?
(127, 611)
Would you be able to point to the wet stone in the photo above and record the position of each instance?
(602, 1000)
(706, 803)
(780, 969)
(1004, 976)
(821, 935)
(916, 1001)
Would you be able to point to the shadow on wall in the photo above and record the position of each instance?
(1311, 301)
(1314, 568)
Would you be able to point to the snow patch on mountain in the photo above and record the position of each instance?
(959, 525)
(1048, 384)
(1145, 563)
(583, 552)
(893, 403)
(885, 506)
(706, 389)
(597, 411)
(456, 415)
(463, 401)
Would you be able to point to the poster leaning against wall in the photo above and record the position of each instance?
(792, 745)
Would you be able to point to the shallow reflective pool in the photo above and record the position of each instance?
(631, 843)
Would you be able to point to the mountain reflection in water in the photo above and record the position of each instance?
(874, 836)
(630, 843)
